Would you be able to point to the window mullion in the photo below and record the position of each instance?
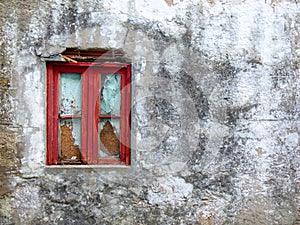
(128, 114)
(125, 114)
(90, 119)
(84, 119)
(55, 115)
(91, 125)
(51, 117)
(95, 110)
(127, 103)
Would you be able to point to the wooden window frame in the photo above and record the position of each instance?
(90, 115)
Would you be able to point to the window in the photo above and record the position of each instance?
(88, 113)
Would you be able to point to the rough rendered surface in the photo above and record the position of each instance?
(215, 112)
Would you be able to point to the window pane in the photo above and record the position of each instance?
(109, 138)
(110, 94)
(70, 139)
(70, 94)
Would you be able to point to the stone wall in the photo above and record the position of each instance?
(215, 112)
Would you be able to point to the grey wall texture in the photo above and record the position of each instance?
(215, 112)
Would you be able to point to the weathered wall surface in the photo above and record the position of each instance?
(215, 133)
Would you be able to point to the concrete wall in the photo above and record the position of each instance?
(215, 112)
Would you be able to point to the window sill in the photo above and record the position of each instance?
(87, 166)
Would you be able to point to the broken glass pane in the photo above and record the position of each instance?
(70, 94)
(70, 139)
(110, 94)
(109, 137)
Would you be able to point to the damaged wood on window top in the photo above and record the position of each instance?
(98, 55)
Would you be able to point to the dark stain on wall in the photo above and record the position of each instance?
(197, 155)
(69, 20)
(4, 189)
(9, 159)
(9, 162)
(199, 99)
(226, 70)
(163, 110)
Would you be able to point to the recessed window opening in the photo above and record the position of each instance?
(88, 112)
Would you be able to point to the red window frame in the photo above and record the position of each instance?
(90, 110)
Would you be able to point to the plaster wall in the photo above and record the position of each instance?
(215, 112)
